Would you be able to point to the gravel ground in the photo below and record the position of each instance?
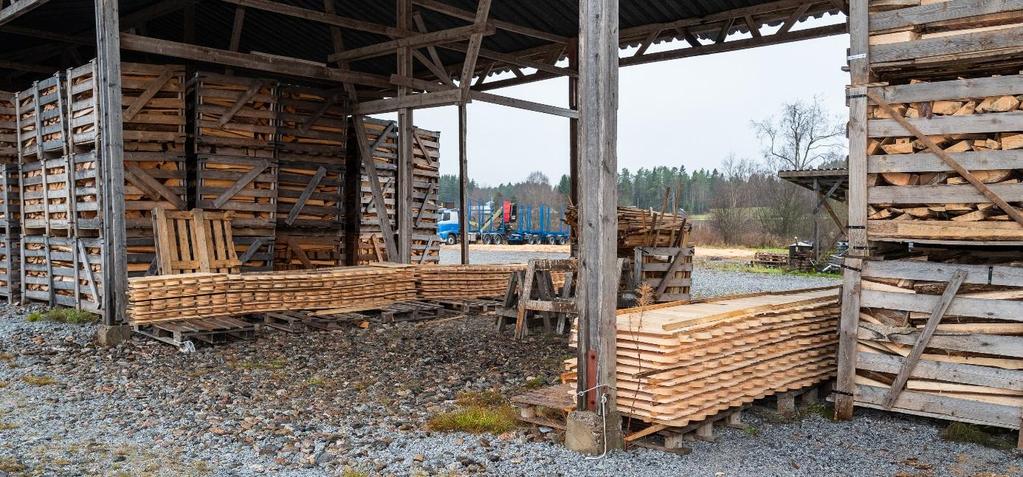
(320, 403)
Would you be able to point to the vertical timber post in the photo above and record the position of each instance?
(816, 221)
(598, 217)
(463, 183)
(845, 385)
(111, 155)
(403, 207)
(573, 134)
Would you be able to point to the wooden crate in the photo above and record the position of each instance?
(245, 185)
(256, 253)
(64, 271)
(309, 195)
(153, 99)
(425, 191)
(233, 112)
(972, 367)
(40, 122)
(302, 249)
(911, 40)
(666, 271)
(912, 194)
(311, 124)
(60, 194)
(82, 111)
(8, 129)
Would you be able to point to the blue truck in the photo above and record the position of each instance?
(510, 223)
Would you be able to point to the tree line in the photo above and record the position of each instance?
(741, 202)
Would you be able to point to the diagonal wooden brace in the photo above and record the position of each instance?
(936, 150)
(925, 337)
(306, 194)
(151, 89)
(153, 187)
(318, 114)
(675, 264)
(240, 103)
(245, 180)
(366, 151)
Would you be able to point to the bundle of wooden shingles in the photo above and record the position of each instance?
(681, 364)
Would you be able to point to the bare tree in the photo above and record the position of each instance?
(805, 134)
(732, 199)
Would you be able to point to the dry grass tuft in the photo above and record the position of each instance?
(38, 380)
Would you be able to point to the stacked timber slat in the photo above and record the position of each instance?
(641, 228)
(972, 367)
(938, 112)
(10, 233)
(383, 139)
(236, 167)
(464, 281)
(153, 99)
(681, 364)
(311, 144)
(8, 129)
(194, 295)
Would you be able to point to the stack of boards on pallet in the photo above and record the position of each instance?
(10, 202)
(656, 249)
(464, 281)
(382, 137)
(201, 295)
(681, 364)
(938, 322)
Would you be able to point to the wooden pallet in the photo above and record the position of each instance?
(770, 260)
(292, 322)
(194, 241)
(473, 306)
(184, 334)
(412, 311)
(40, 112)
(666, 271)
(548, 406)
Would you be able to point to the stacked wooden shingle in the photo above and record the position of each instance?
(195, 295)
(464, 281)
(682, 364)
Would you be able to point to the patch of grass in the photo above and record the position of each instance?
(476, 420)
(63, 315)
(822, 409)
(481, 399)
(250, 364)
(350, 472)
(38, 380)
(315, 381)
(963, 432)
(3, 384)
(751, 431)
(6, 357)
(534, 383)
(7, 426)
(10, 465)
(747, 268)
(201, 466)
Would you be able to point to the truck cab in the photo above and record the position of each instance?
(447, 226)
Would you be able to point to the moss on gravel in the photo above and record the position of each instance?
(38, 380)
(63, 315)
(478, 413)
(970, 433)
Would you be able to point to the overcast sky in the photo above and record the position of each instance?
(692, 111)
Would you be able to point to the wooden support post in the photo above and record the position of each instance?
(463, 183)
(108, 80)
(706, 432)
(816, 223)
(809, 397)
(787, 404)
(403, 207)
(598, 218)
(573, 132)
(845, 385)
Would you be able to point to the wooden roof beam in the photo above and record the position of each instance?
(18, 8)
(414, 41)
(456, 12)
(515, 60)
(318, 16)
(472, 53)
(281, 65)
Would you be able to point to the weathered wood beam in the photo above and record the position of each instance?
(417, 101)
(794, 18)
(514, 60)
(752, 25)
(433, 63)
(523, 104)
(422, 85)
(456, 12)
(318, 16)
(338, 43)
(26, 67)
(370, 168)
(48, 35)
(406, 134)
(272, 64)
(473, 50)
(414, 41)
(598, 219)
(236, 29)
(18, 8)
(776, 39)
(463, 183)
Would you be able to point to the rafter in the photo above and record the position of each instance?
(414, 41)
(318, 16)
(18, 8)
(456, 12)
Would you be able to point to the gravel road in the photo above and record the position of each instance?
(319, 403)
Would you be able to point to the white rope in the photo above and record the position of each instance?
(603, 429)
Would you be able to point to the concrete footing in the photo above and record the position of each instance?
(112, 335)
(585, 432)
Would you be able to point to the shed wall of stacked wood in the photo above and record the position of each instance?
(383, 139)
(931, 308)
(273, 155)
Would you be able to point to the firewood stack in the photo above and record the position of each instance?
(681, 364)
(642, 228)
(937, 114)
(464, 281)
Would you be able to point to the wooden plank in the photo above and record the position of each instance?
(18, 8)
(940, 193)
(941, 407)
(456, 12)
(473, 50)
(1009, 379)
(151, 89)
(416, 101)
(946, 125)
(933, 271)
(523, 104)
(257, 169)
(1003, 310)
(925, 337)
(951, 90)
(922, 14)
(319, 17)
(154, 188)
(369, 164)
(240, 103)
(1008, 346)
(929, 162)
(946, 45)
